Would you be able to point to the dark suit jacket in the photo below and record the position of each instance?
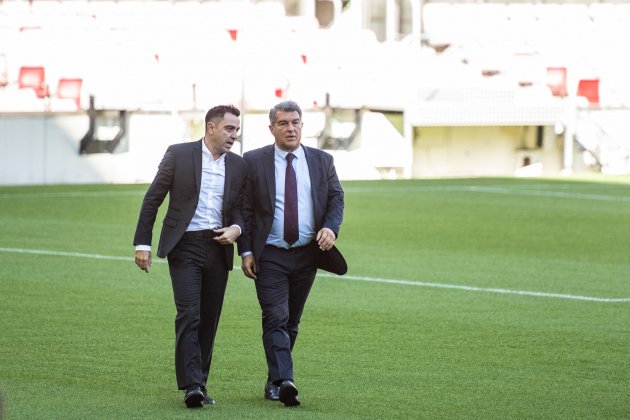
(179, 174)
(260, 196)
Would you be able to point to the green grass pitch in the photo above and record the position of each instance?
(465, 298)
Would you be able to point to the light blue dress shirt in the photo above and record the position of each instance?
(306, 217)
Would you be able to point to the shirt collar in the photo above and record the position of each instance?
(207, 155)
(299, 152)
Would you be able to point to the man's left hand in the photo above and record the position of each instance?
(229, 235)
(325, 239)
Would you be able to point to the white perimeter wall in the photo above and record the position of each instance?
(484, 151)
(44, 149)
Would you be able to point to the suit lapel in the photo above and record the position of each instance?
(228, 181)
(268, 161)
(313, 173)
(196, 155)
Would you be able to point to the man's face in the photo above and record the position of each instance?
(287, 130)
(222, 134)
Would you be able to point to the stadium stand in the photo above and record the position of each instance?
(477, 62)
(151, 41)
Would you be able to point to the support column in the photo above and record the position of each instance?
(569, 135)
(408, 135)
(391, 21)
(416, 21)
(307, 8)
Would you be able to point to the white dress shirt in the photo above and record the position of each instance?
(209, 212)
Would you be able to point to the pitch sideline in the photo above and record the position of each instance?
(348, 278)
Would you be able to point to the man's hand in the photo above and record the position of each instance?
(249, 266)
(143, 260)
(229, 235)
(325, 239)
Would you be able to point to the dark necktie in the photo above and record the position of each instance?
(291, 233)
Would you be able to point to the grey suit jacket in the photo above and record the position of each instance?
(179, 174)
(260, 196)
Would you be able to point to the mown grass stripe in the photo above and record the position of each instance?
(350, 278)
(524, 189)
(72, 194)
(492, 190)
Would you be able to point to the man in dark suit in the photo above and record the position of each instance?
(205, 182)
(293, 208)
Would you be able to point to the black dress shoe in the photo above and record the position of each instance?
(193, 397)
(288, 394)
(272, 392)
(206, 399)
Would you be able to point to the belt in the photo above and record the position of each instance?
(292, 250)
(207, 233)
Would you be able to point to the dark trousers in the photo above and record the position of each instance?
(199, 276)
(284, 280)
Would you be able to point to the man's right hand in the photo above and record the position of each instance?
(143, 260)
(249, 266)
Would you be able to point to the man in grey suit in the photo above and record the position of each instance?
(205, 182)
(293, 209)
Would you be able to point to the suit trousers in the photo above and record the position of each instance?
(199, 277)
(285, 278)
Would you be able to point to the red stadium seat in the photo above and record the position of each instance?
(33, 78)
(557, 80)
(70, 89)
(4, 79)
(589, 88)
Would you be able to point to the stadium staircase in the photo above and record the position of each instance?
(605, 134)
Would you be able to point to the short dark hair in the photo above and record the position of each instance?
(285, 106)
(220, 111)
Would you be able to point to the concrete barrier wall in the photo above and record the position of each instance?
(43, 148)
